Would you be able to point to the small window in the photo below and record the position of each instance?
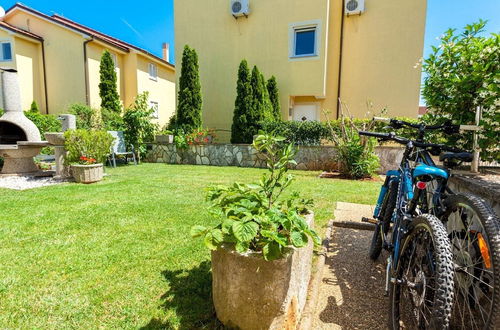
(153, 72)
(6, 52)
(154, 106)
(305, 42)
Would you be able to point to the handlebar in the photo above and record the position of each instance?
(448, 127)
(392, 136)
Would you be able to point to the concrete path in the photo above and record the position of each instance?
(352, 291)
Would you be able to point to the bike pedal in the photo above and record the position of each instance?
(373, 221)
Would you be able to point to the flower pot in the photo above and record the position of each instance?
(252, 293)
(167, 139)
(87, 173)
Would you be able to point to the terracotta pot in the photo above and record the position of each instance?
(253, 294)
(87, 173)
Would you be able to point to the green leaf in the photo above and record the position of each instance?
(298, 238)
(242, 247)
(226, 225)
(197, 231)
(245, 231)
(272, 251)
(210, 242)
(217, 236)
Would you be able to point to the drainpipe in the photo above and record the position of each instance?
(86, 68)
(45, 78)
(339, 82)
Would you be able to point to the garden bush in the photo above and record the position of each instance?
(88, 144)
(189, 102)
(309, 133)
(138, 125)
(462, 74)
(86, 117)
(45, 123)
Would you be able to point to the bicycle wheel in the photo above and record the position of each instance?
(386, 211)
(422, 295)
(474, 232)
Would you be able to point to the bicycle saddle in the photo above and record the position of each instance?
(460, 156)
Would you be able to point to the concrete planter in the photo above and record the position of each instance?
(251, 293)
(166, 139)
(87, 173)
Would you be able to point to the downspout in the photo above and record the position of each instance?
(45, 78)
(86, 68)
(339, 82)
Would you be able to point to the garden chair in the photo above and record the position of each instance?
(119, 148)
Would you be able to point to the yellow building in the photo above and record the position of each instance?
(58, 64)
(319, 51)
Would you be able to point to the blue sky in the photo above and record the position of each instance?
(149, 23)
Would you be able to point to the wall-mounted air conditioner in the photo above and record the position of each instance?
(240, 8)
(354, 7)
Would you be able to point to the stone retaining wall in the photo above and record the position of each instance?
(312, 158)
(475, 184)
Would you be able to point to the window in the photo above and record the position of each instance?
(305, 42)
(154, 106)
(153, 72)
(5, 52)
(304, 39)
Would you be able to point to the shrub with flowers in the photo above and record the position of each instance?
(463, 73)
(87, 147)
(201, 136)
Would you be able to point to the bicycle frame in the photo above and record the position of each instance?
(407, 198)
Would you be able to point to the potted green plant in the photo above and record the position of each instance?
(87, 151)
(262, 246)
(165, 136)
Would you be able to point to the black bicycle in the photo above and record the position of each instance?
(472, 228)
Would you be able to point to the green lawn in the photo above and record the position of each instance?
(118, 254)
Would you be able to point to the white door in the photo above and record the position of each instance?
(305, 112)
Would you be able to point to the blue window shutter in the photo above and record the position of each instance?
(305, 42)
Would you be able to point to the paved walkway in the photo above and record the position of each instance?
(352, 291)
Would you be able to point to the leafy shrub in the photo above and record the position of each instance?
(308, 133)
(461, 74)
(138, 126)
(86, 117)
(112, 120)
(355, 154)
(44, 123)
(90, 144)
(34, 107)
(253, 216)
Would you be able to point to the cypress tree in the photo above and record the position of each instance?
(240, 130)
(189, 101)
(261, 104)
(272, 89)
(108, 88)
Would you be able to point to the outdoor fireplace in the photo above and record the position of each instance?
(20, 139)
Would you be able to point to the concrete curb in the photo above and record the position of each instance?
(314, 283)
(354, 225)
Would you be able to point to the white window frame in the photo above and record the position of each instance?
(153, 71)
(6, 41)
(304, 26)
(156, 109)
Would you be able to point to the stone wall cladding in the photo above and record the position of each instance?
(242, 155)
(309, 158)
(474, 184)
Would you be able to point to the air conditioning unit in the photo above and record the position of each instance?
(240, 8)
(354, 7)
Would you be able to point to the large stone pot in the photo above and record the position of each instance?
(251, 293)
(87, 173)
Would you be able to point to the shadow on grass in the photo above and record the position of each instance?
(189, 298)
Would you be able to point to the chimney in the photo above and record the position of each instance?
(166, 51)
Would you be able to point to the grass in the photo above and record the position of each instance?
(118, 254)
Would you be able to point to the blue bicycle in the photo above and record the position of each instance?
(420, 188)
(419, 278)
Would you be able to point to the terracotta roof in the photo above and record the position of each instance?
(91, 32)
(13, 28)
